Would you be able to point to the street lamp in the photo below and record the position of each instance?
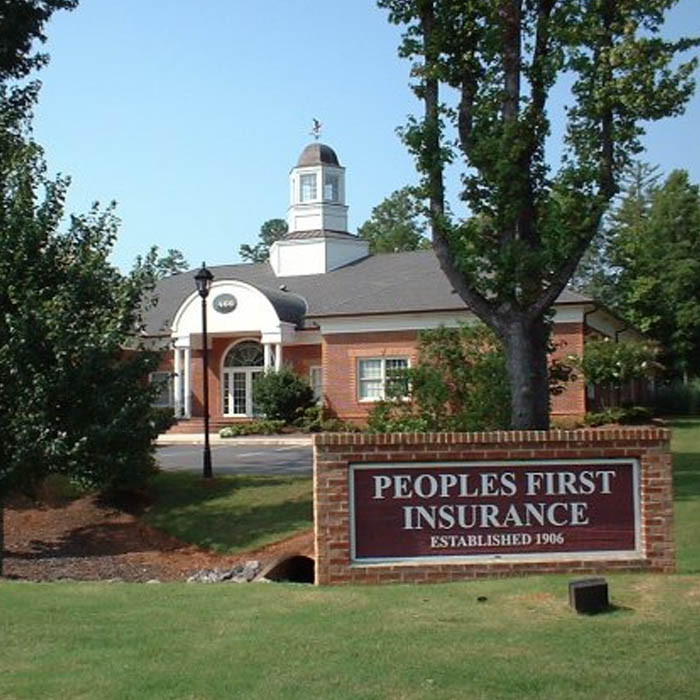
(203, 280)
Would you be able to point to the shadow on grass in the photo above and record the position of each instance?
(686, 476)
(231, 513)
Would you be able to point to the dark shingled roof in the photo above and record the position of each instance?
(317, 154)
(376, 284)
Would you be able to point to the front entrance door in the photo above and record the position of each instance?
(238, 391)
(242, 366)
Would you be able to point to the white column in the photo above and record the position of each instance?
(278, 356)
(187, 392)
(267, 355)
(177, 383)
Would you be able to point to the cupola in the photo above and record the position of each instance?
(318, 240)
(317, 191)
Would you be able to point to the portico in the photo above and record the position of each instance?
(248, 328)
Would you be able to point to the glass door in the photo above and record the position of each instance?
(238, 391)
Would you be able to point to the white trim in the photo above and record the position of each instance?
(227, 323)
(178, 381)
(312, 369)
(422, 320)
(188, 389)
(383, 359)
(635, 554)
(247, 370)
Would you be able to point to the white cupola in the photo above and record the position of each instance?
(318, 240)
(317, 191)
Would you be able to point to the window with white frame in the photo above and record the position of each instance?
(316, 381)
(307, 187)
(373, 374)
(331, 188)
(163, 381)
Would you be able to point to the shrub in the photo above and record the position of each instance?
(310, 420)
(609, 364)
(255, 427)
(459, 384)
(282, 395)
(335, 425)
(630, 415)
(678, 399)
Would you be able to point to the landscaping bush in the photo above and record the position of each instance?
(629, 415)
(459, 384)
(282, 395)
(607, 364)
(678, 399)
(255, 427)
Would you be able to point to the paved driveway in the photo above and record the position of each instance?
(238, 459)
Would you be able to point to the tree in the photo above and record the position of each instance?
(72, 399)
(648, 265)
(485, 70)
(272, 230)
(22, 23)
(656, 258)
(596, 275)
(172, 263)
(394, 224)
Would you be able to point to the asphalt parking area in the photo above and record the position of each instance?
(239, 459)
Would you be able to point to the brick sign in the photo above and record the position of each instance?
(402, 512)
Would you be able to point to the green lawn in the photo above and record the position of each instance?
(231, 513)
(287, 641)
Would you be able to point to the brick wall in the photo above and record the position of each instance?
(334, 452)
(570, 405)
(340, 354)
(301, 358)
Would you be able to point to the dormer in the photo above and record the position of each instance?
(318, 240)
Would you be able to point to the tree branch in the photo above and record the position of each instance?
(510, 13)
(432, 161)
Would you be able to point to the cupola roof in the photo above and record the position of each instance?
(317, 154)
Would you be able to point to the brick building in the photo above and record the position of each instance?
(326, 307)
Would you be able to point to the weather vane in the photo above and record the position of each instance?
(316, 128)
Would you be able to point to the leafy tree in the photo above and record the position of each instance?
(272, 230)
(394, 224)
(649, 267)
(172, 263)
(484, 71)
(657, 260)
(72, 400)
(596, 275)
(22, 23)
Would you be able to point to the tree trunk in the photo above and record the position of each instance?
(525, 345)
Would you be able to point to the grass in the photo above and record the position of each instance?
(287, 641)
(231, 513)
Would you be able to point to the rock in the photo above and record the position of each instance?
(240, 573)
(153, 580)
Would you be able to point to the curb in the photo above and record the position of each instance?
(215, 440)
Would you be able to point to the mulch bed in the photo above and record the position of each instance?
(89, 539)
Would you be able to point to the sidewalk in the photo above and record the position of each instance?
(295, 440)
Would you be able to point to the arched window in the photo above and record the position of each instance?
(246, 354)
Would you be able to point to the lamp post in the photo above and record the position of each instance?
(203, 280)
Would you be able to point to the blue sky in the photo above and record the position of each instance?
(190, 113)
